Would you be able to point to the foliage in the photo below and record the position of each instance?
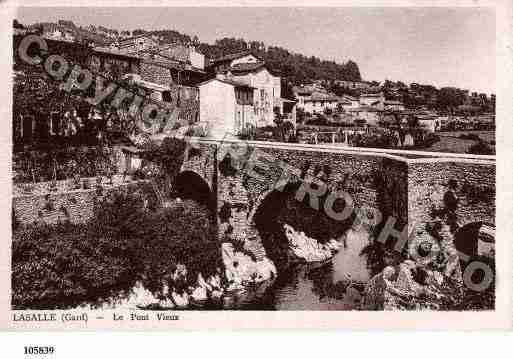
(61, 266)
(481, 148)
(376, 140)
(300, 115)
(168, 157)
(63, 164)
(469, 136)
(319, 120)
(426, 140)
(295, 67)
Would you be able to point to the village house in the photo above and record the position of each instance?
(344, 105)
(430, 122)
(349, 102)
(226, 106)
(313, 99)
(247, 68)
(318, 102)
(53, 31)
(153, 90)
(376, 100)
(135, 44)
(358, 85)
(168, 65)
(173, 64)
(394, 105)
(370, 114)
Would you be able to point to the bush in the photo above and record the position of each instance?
(64, 265)
(469, 136)
(481, 148)
(428, 140)
(61, 266)
(376, 140)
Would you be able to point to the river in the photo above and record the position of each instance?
(306, 287)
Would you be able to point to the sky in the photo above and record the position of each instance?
(438, 46)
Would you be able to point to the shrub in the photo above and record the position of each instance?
(428, 140)
(64, 265)
(481, 148)
(61, 266)
(376, 140)
(469, 136)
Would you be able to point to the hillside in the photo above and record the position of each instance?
(294, 67)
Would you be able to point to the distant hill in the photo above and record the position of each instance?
(294, 67)
(297, 68)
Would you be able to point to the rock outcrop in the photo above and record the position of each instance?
(308, 248)
(241, 269)
(429, 281)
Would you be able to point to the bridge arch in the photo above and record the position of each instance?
(467, 237)
(190, 185)
(274, 208)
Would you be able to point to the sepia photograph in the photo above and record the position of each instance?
(173, 159)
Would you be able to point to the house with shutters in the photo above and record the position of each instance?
(227, 106)
(246, 67)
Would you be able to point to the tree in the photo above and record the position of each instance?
(138, 32)
(449, 98)
(17, 25)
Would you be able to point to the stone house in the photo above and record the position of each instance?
(318, 102)
(135, 44)
(376, 100)
(348, 102)
(173, 64)
(370, 114)
(393, 105)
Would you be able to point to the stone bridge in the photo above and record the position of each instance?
(235, 178)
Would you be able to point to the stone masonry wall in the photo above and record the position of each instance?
(201, 159)
(427, 184)
(156, 74)
(362, 176)
(74, 205)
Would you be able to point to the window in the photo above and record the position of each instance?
(166, 96)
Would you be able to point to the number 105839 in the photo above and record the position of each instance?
(39, 350)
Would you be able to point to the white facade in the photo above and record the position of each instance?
(370, 115)
(197, 59)
(318, 106)
(267, 90)
(220, 109)
(431, 124)
(349, 102)
(248, 59)
(394, 106)
(375, 100)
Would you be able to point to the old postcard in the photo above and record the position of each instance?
(173, 167)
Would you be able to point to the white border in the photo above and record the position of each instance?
(500, 318)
